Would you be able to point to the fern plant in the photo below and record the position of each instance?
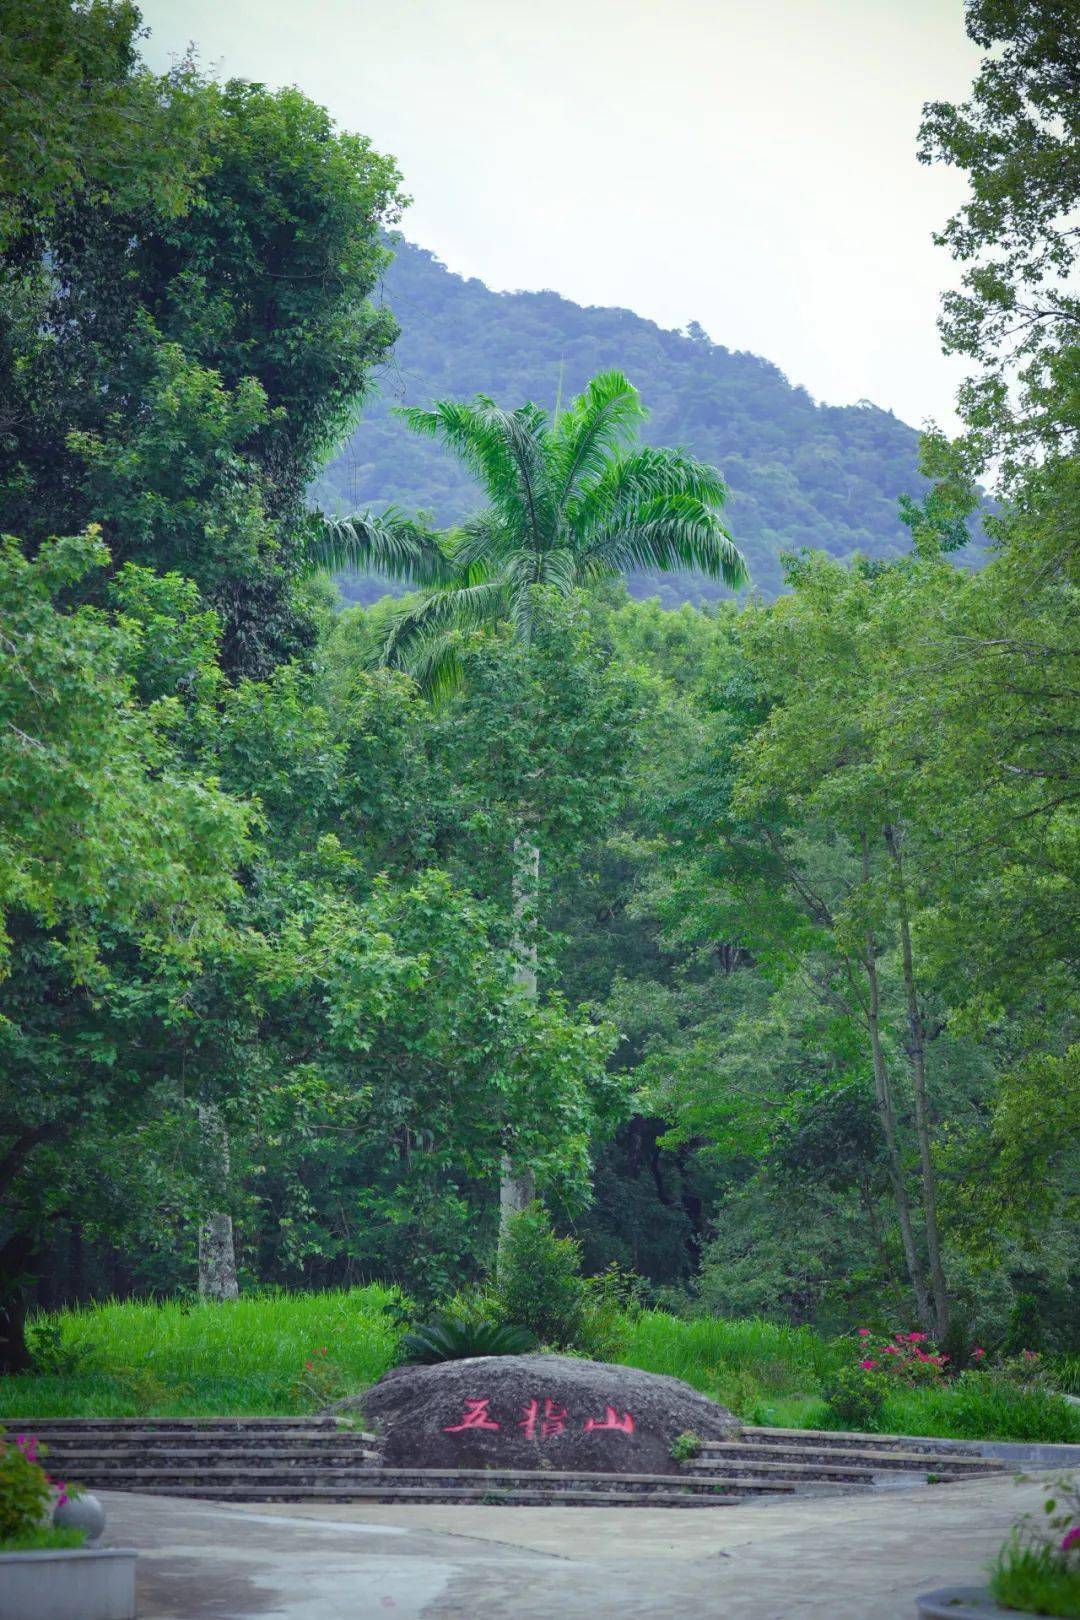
(450, 1338)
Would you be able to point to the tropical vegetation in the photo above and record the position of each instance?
(693, 987)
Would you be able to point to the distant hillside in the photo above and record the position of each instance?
(800, 474)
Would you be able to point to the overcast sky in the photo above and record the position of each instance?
(749, 164)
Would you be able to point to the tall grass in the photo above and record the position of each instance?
(178, 1358)
(736, 1362)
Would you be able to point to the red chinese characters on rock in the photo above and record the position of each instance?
(550, 1421)
(475, 1416)
(611, 1420)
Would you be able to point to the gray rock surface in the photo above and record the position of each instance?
(537, 1411)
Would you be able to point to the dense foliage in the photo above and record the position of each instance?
(744, 937)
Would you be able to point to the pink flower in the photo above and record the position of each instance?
(308, 1365)
(322, 1352)
(978, 1353)
(1071, 1539)
(892, 1349)
(867, 1364)
(864, 1333)
(916, 1338)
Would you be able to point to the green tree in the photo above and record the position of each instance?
(572, 502)
(175, 364)
(1017, 312)
(117, 873)
(81, 120)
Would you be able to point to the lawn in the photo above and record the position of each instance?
(181, 1358)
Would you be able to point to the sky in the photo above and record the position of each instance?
(748, 164)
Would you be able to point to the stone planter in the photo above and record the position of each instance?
(967, 1603)
(68, 1584)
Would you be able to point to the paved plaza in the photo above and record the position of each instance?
(842, 1557)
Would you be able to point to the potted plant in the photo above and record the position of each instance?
(45, 1569)
(1037, 1572)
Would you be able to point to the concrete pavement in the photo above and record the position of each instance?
(843, 1557)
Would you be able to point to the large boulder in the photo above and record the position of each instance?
(537, 1411)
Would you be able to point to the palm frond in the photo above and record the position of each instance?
(643, 474)
(592, 429)
(388, 543)
(436, 665)
(439, 613)
(526, 434)
(478, 547)
(558, 569)
(484, 438)
(671, 532)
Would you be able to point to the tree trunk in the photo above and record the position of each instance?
(886, 1114)
(517, 1186)
(916, 1047)
(525, 893)
(217, 1254)
(16, 1257)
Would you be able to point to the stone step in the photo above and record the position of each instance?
(210, 1478)
(164, 1434)
(821, 1439)
(312, 1420)
(240, 1457)
(727, 1453)
(471, 1495)
(854, 1473)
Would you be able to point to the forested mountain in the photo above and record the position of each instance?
(800, 474)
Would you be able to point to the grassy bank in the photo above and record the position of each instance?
(185, 1359)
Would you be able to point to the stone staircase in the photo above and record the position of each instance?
(317, 1459)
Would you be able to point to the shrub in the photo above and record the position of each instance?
(539, 1282)
(685, 1445)
(854, 1397)
(611, 1303)
(48, 1349)
(25, 1489)
(44, 1539)
(449, 1338)
(1038, 1569)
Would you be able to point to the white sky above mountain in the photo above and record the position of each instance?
(749, 164)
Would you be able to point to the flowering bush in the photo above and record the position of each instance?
(905, 1358)
(26, 1490)
(1038, 1569)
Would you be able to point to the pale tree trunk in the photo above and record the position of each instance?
(916, 1046)
(526, 884)
(887, 1116)
(217, 1254)
(517, 1187)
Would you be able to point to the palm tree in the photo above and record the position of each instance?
(571, 500)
